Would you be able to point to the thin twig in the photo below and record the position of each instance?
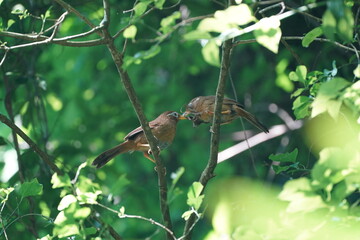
(45, 157)
(240, 42)
(123, 215)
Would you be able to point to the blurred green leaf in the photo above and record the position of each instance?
(66, 201)
(329, 25)
(357, 71)
(326, 99)
(32, 188)
(168, 22)
(140, 8)
(310, 36)
(268, 33)
(2, 141)
(196, 35)
(60, 181)
(211, 53)
(159, 3)
(130, 32)
(285, 157)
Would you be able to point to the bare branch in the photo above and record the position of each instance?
(44, 156)
(125, 79)
(69, 8)
(208, 172)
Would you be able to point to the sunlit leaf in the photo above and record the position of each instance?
(310, 36)
(196, 35)
(168, 22)
(285, 157)
(301, 107)
(299, 75)
(141, 7)
(130, 32)
(357, 71)
(239, 15)
(32, 188)
(268, 33)
(194, 195)
(159, 3)
(211, 53)
(60, 181)
(186, 215)
(326, 101)
(66, 201)
(212, 25)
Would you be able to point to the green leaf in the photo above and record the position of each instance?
(211, 53)
(268, 33)
(186, 215)
(82, 213)
(130, 32)
(326, 99)
(299, 75)
(196, 35)
(229, 18)
(310, 36)
(168, 22)
(301, 107)
(235, 15)
(32, 188)
(279, 169)
(212, 25)
(140, 8)
(159, 3)
(329, 25)
(194, 195)
(297, 92)
(345, 26)
(66, 201)
(285, 157)
(60, 181)
(6, 192)
(357, 71)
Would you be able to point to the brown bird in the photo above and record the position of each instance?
(163, 128)
(201, 110)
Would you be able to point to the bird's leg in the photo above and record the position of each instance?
(146, 154)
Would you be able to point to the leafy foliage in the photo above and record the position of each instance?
(70, 102)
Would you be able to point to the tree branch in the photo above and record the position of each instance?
(125, 79)
(45, 157)
(208, 172)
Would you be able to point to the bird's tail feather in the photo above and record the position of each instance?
(106, 156)
(252, 119)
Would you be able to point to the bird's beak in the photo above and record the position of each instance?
(185, 114)
(182, 117)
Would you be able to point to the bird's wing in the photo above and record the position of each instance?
(228, 101)
(139, 130)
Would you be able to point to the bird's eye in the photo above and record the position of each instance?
(174, 114)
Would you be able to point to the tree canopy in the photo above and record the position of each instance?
(78, 76)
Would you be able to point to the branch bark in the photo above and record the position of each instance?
(45, 157)
(126, 82)
(208, 172)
